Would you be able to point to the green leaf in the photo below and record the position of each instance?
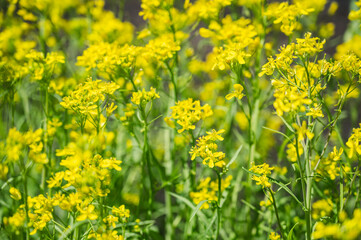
(71, 229)
(202, 217)
(252, 207)
(195, 211)
(281, 185)
(59, 230)
(145, 224)
(287, 125)
(287, 190)
(290, 233)
(4, 204)
(7, 183)
(250, 172)
(234, 156)
(210, 225)
(275, 131)
(154, 119)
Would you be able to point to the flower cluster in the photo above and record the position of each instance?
(41, 67)
(292, 152)
(296, 88)
(307, 46)
(143, 97)
(31, 141)
(354, 142)
(240, 40)
(206, 149)
(81, 88)
(206, 9)
(208, 190)
(287, 15)
(161, 48)
(89, 176)
(108, 58)
(261, 174)
(237, 93)
(355, 14)
(88, 99)
(347, 229)
(322, 208)
(330, 167)
(230, 31)
(187, 113)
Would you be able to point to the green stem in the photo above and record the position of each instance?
(193, 169)
(12, 110)
(356, 173)
(130, 77)
(173, 80)
(169, 158)
(219, 204)
(308, 207)
(146, 160)
(277, 216)
(25, 185)
(123, 230)
(253, 128)
(358, 192)
(309, 180)
(341, 189)
(44, 173)
(169, 218)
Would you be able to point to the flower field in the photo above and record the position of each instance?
(204, 119)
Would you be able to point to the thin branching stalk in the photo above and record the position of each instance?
(219, 210)
(276, 212)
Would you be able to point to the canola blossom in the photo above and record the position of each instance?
(179, 119)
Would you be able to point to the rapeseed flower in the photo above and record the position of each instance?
(208, 190)
(206, 149)
(143, 97)
(15, 193)
(262, 172)
(237, 93)
(188, 112)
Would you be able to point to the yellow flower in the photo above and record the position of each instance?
(108, 58)
(121, 212)
(292, 151)
(238, 88)
(205, 9)
(206, 148)
(111, 220)
(354, 142)
(329, 230)
(274, 236)
(143, 97)
(265, 203)
(302, 131)
(333, 8)
(315, 112)
(4, 169)
(160, 49)
(56, 180)
(208, 190)
(110, 163)
(188, 112)
(355, 15)
(110, 109)
(15, 193)
(321, 208)
(287, 15)
(262, 171)
(17, 220)
(87, 213)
